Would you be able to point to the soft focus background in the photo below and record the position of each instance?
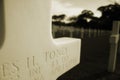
(91, 21)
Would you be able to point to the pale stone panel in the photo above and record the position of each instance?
(28, 51)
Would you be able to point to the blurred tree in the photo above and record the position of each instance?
(82, 19)
(110, 13)
(86, 18)
(58, 17)
(72, 19)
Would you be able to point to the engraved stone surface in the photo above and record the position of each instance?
(9, 71)
(29, 52)
(34, 69)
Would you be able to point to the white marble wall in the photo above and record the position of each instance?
(29, 52)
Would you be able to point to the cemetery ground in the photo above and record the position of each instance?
(94, 61)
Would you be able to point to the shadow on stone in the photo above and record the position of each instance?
(2, 25)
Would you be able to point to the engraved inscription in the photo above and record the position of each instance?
(63, 61)
(9, 71)
(59, 57)
(69, 63)
(1, 72)
(58, 60)
(34, 69)
(58, 64)
(51, 55)
(63, 64)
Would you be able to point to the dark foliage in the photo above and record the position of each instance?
(109, 12)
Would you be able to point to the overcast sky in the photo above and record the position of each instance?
(74, 7)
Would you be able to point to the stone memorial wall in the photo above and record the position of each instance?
(28, 51)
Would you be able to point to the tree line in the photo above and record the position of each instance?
(86, 18)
